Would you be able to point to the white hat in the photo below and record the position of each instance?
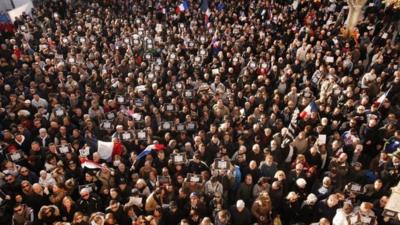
(240, 203)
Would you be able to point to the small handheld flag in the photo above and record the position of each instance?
(312, 107)
(149, 149)
(182, 7)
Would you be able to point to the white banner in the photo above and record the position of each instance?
(27, 8)
(5, 6)
(18, 3)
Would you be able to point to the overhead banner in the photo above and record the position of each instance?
(18, 3)
(17, 12)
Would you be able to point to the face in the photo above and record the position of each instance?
(24, 171)
(26, 186)
(10, 179)
(114, 207)
(85, 195)
(378, 184)
(249, 180)
(19, 210)
(67, 202)
(194, 200)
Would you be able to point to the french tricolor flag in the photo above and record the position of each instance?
(182, 7)
(89, 164)
(206, 10)
(312, 107)
(382, 98)
(207, 16)
(149, 149)
(107, 150)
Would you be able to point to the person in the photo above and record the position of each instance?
(26, 174)
(195, 206)
(268, 167)
(88, 203)
(110, 219)
(222, 217)
(116, 209)
(46, 179)
(262, 185)
(206, 221)
(322, 221)
(213, 186)
(68, 209)
(327, 207)
(342, 214)
(240, 215)
(245, 190)
(48, 214)
(262, 208)
(58, 194)
(307, 209)
(173, 215)
(364, 211)
(79, 219)
(22, 215)
(291, 209)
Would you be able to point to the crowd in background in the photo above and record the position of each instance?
(219, 85)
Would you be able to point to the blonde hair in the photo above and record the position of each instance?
(278, 173)
(68, 198)
(78, 214)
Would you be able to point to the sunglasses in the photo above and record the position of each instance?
(18, 210)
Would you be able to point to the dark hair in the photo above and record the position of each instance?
(18, 205)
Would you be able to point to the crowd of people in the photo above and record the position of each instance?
(261, 112)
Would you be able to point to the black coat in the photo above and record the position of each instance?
(171, 217)
(306, 214)
(290, 212)
(67, 216)
(240, 218)
(323, 210)
(89, 206)
(119, 215)
(35, 201)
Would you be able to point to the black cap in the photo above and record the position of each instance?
(122, 181)
(172, 204)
